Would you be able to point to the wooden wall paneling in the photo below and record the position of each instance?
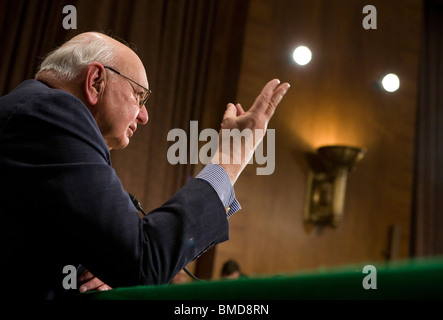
(332, 100)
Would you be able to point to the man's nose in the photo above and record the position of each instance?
(143, 116)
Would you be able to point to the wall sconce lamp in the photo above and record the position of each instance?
(326, 186)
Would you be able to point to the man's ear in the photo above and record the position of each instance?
(94, 82)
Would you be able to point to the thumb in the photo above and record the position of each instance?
(231, 111)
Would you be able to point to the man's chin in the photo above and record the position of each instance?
(118, 145)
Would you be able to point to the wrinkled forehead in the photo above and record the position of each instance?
(129, 64)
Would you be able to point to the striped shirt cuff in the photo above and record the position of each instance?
(217, 177)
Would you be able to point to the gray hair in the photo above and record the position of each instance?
(75, 55)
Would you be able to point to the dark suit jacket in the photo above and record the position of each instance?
(62, 203)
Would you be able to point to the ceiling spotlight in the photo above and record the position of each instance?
(302, 55)
(391, 82)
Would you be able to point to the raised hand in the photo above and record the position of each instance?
(234, 154)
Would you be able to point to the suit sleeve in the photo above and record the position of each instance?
(56, 156)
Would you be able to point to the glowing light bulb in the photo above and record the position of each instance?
(391, 82)
(302, 55)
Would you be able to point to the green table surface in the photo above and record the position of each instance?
(407, 279)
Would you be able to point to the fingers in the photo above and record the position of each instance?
(90, 282)
(277, 96)
(231, 111)
(270, 86)
(265, 95)
(270, 97)
(104, 287)
(94, 284)
(85, 276)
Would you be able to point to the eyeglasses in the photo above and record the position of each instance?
(141, 96)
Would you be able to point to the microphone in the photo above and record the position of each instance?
(137, 204)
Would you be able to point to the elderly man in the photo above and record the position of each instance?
(62, 203)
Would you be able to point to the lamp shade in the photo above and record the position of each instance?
(341, 156)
